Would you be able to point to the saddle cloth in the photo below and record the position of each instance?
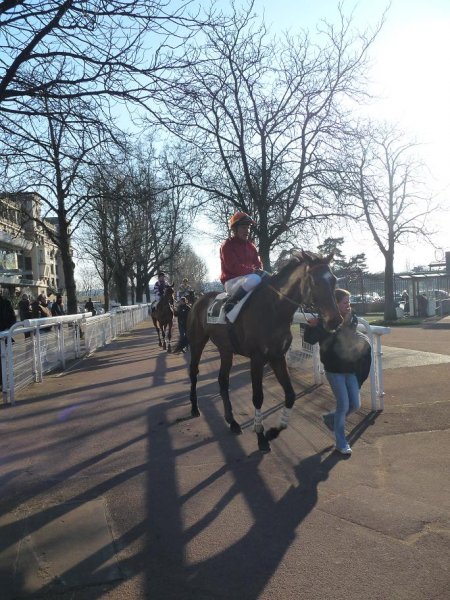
(216, 315)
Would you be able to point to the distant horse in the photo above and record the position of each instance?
(262, 332)
(162, 317)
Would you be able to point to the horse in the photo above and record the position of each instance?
(190, 297)
(162, 317)
(262, 332)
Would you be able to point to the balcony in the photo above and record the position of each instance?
(12, 242)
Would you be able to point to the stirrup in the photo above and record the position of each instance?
(228, 306)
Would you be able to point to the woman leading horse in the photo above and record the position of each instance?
(262, 332)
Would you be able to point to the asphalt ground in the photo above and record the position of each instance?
(110, 490)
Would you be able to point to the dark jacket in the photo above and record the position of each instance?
(182, 313)
(24, 310)
(39, 310)
(7, 314)
(344, 351)
(57, 309)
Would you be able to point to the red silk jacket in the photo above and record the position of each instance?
(238, 257)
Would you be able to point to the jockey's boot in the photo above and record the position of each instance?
(234, 299)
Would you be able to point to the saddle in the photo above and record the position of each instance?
(215, 313)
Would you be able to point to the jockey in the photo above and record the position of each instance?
(159, 288)
(240, 263)
(184, 288)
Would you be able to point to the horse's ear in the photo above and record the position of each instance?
(306, 256)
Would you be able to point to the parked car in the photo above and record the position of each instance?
(439, 294)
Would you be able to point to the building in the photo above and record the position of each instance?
(29, 259)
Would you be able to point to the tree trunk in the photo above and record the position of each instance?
(264, 253)
(390, 313)
(121, 281)
(68, 266)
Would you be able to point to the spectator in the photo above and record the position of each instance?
(58, 307)
(89, 306)
(7, 314)
(422, 305)
(7, 319)
(39, 308)
(25, 312)
(182, 314)
(24, 308)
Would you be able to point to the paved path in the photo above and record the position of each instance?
(109, 490)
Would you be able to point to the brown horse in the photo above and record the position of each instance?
(162, 317)
(262, 332)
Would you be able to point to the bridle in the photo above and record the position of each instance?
(301, 305)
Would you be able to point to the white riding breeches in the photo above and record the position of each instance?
(247, 282)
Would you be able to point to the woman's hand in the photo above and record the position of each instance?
(313, 322)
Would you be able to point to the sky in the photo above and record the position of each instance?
(410, 78)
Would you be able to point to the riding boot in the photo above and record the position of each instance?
(234, 299)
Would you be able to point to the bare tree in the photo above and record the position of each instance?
(136, 220)
(261, 117)
(190, 265)
(52, 152)
(64, 49)
(384, 180)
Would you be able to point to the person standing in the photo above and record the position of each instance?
(7, 320)
(240, 263)
(25, 312)
(24, 308)
(89, 306)
(58, 307)
(346, 357)
(182, 313)
(7, 314)
(39, 308)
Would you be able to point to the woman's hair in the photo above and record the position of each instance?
(340, 293)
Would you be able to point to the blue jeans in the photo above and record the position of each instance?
(345, 388)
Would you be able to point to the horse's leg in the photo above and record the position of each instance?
(257, 370)
(163, 333)
(197, 347)
(226, 362)
(155, 323)
(280, 369)
(169, 336)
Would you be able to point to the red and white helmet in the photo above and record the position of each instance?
(240, 218)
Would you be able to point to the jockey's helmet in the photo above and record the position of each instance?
(240, 218)
(161, 274)
(185, 280)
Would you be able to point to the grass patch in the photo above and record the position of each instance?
(396, 323)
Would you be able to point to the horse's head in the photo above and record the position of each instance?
(318, 288)
(169, 292)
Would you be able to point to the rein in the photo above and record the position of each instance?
(299, 305)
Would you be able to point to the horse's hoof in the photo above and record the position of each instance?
(169, 350)
(195, 412)
(272, 433)
(263, 443)
(235, 428)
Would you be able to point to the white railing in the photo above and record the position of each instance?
(301, 352)
(37, 346)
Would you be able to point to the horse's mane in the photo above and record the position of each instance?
(286, 271)
(283, 274)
